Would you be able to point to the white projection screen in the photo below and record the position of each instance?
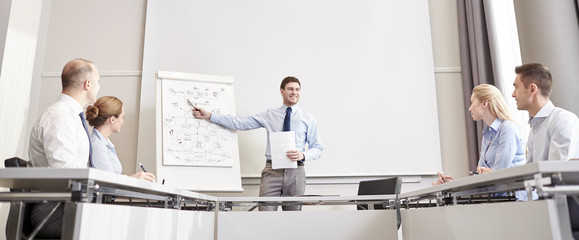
(366, 69)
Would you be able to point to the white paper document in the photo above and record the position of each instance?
(280, 143)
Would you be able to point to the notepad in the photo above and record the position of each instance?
(280, 143)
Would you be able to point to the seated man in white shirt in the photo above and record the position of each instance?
(554, 132)
(59, 139)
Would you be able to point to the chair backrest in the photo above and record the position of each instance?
(15, 162)
(382, 187)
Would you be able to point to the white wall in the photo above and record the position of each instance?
(548, 33)
(452, 125)
(111, 37)
(4, 15)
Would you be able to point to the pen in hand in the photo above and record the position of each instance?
(142, 167)
(191, 104)
(195, 110)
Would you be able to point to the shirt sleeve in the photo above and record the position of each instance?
(60, 146)
(508, 144)
(237, 123)
(564, 138)
(314, 141)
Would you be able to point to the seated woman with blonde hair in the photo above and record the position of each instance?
(502, 144)
(106, 115)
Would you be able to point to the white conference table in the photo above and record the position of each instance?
(144, 210)
(547, 218)
(164, 212)
(509, 178)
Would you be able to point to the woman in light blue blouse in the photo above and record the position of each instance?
(107, 115)
(502, 144)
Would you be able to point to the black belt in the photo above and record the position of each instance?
(300, 163)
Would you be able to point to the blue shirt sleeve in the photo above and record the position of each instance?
(235, 122)
(315, 147)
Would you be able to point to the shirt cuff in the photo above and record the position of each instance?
(214, 117)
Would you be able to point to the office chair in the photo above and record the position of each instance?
(573, 207)
(15, 162)
(382, 187)
(18, 225)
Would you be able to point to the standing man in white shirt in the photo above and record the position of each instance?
(59, 139)
(287, 117)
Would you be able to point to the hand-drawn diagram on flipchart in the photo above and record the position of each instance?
(196, 142)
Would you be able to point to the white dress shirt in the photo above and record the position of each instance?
(554, 135)
(58, 139)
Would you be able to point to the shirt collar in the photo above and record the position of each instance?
(102, 138)
(496, 124)
(294, 108)
(71, 102)
(545, 111)
(98, 134)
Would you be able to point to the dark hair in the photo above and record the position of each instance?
(74, 72)
(538, 74)
(287, 80)
(104, 107)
